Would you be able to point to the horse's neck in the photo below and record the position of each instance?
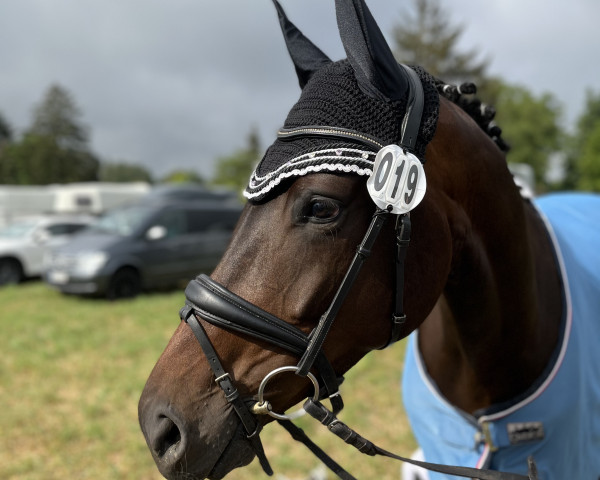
(495, 327)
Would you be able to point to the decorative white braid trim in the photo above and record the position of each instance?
(360, 162)
(299, 172)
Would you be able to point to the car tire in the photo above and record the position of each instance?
(125, 283)
(11, 271)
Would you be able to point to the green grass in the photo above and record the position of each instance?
(72, 370)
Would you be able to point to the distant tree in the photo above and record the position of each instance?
(425, 37)
(582, 152)
(57, 117)
(38, 160)
(589, 162)
(123, 172)
(183, 176)
(6, 132)
(6, 136)
(234, 170)
(587, 122)
(530, 125)
(54, 149)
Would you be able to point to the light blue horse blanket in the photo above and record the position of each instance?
(558, 420)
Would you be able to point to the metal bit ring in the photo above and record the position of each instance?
(263, 406)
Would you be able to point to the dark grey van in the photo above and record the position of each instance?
(143, 247)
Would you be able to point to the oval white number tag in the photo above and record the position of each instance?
(398, 179)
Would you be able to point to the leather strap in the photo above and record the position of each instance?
(251, 426)
(403, 229)
(222, 308)
(317, 336)
(318, 411)
(411, 123)
(300, 436)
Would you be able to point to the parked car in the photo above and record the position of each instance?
(185, 192)
(143, 247)
(24, 242)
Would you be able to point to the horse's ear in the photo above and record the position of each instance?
(376, 70)
(307, 57)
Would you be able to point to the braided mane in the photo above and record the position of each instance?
(480, 112)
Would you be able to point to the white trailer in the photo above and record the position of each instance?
(18, 201)
(86, 197)
(96, 197)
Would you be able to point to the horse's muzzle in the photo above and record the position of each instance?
(179, 449)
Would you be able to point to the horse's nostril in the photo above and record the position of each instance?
(167, 438)
(172, 438)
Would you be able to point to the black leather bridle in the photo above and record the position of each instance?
(213, 303)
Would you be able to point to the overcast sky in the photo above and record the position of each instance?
(176, 84)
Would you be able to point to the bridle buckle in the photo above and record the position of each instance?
(223, 378)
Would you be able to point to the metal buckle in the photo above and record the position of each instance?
(487, 437)
(222, 378)
(334, 395)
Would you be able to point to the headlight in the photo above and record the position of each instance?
(87, 264)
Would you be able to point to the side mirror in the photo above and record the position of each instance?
(41, 236)
(157, 232)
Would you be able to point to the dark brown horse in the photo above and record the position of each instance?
(483, 285)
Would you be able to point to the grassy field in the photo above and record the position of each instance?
(72, 370)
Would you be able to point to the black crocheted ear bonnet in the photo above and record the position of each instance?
(339, 123)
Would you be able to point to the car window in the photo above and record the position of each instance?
(123, 221)
(17, 229)
(64, 228)
(174, 221)
(211, 219)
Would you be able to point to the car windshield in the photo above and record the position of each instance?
(122, 221)
(18, 229)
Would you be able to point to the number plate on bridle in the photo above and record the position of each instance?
(398, 180)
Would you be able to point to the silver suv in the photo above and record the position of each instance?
(24, 242)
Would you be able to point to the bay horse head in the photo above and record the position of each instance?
(279, 300)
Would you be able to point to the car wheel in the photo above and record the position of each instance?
(11, 271)
(126, 283)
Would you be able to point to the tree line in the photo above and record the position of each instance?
(55, 148)
(531, 124)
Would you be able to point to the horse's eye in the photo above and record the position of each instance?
(322, 210)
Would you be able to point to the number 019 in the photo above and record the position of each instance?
(398, 179)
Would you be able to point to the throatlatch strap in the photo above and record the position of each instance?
(403, 229)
